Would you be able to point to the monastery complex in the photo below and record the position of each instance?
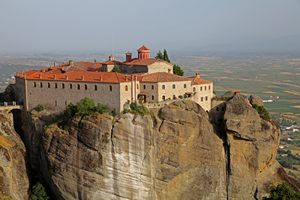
(143, 79)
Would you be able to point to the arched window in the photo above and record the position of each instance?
(174, 97)
(144, 87)
(85, 87)
(34, 84)
(71, 86)
(152, 97)
(163, 97)
(208, 87)
(201, 88)
(174, 86)
(55, 85)
(63, 86)
(194, 89)
(126, 87)
(110, 88)
(184, 85)
(41, 84)
(152, 87)
(96, 88)
(206, 98)
(163, 87)
(205, 88)
(78, 87)
(49, 85)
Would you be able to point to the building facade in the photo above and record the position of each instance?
(142, 79)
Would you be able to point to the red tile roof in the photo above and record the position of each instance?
(81, 76)
(196, 80)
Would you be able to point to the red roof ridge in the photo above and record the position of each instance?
(143, 48)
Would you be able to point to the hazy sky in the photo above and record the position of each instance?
(106, 25)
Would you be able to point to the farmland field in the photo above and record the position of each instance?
(271, 78)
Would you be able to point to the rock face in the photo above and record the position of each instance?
(252, 144)
(14, 182)
(256, 100)
(174, 153)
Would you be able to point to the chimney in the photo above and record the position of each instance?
(128, 56)
(197, 75)
(111, 58)
(71, 63)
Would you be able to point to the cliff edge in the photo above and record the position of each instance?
(177, 152)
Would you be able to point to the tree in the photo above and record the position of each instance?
(116, 69)
(39, 192)
(86, 107)
(159, 55)
(177, 70)
(283, 192)
(166, 56)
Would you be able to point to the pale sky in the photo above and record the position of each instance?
(104, 25)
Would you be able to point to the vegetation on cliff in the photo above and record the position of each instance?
(136, 108)
(262, 111)
(283, 192)
(85, 107)
(39, 192)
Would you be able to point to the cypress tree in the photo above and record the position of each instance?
(159, 55)
(166, 56)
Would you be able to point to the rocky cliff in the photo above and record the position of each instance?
(177, 152)
(14, 182)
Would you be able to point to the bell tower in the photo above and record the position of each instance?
(143, 53)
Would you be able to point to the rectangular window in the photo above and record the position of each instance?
(201, 88)
(209, 87)
(152, 97)
(144, 87)
(152, 87)
(206, 98)
(201, 98)
(205, 88)
(163, 87)
(184, 86)
(174, 86)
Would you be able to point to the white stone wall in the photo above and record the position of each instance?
(203, 95)
(169, 91)
(160, 67)
(58, 98)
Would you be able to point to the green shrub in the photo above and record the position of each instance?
(283, 192)
(39, 192)
(116, 69)
(136, 108)
(262, 111)
(39, 108)
(84, 107)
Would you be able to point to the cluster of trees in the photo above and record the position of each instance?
(164, 56)
(86, 107)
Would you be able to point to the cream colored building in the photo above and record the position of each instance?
(143, 79)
